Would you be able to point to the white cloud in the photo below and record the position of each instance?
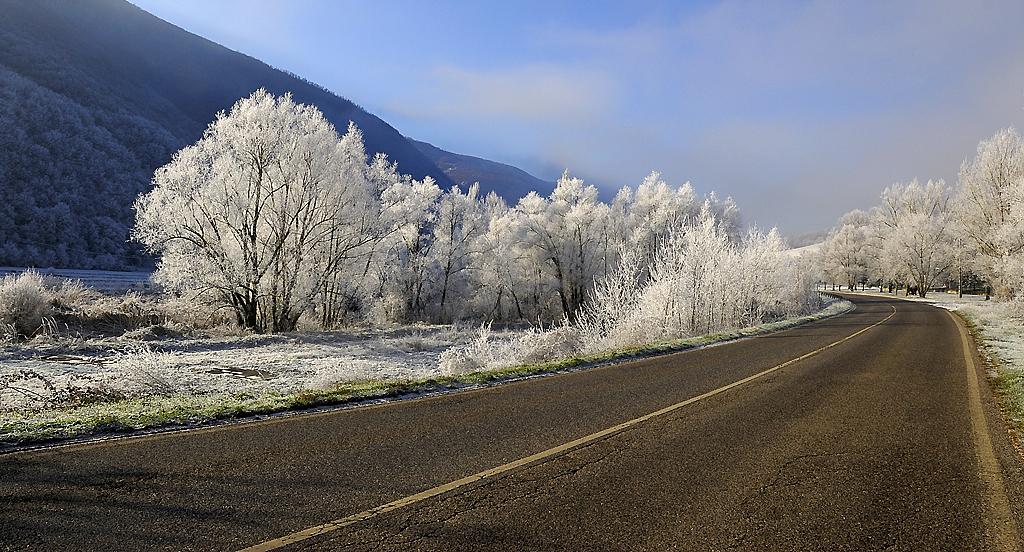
(801, 111)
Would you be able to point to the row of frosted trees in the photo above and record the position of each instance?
(924, 236)
(698, 280)
(274, 216)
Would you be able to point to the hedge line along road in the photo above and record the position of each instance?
(872, 430)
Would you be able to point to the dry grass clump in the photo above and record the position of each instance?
(25, 302)
(33, 306)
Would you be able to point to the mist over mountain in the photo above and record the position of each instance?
(94, 95)
(507, 181)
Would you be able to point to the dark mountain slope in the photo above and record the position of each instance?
(94, 95)
(507, 181)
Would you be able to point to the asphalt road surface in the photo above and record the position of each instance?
(867, 431)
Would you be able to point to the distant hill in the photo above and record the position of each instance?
(807, 238)
(805, 250)
(507, 181)
(94, 95)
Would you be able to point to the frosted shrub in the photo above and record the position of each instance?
(700, 281)
(471, 357)
(72, 295)
(8, 333)
(24, 302)
(540, 346)
(148, 371)
(487, 352)
(133, 306)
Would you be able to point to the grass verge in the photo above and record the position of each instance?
(1005, 379)
(20, 429)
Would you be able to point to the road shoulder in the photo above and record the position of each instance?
(998, 461)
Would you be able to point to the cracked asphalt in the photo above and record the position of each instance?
(865, 446)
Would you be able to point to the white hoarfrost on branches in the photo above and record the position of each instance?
(990, 208)
(262, 213)
(925, 237)
(274, 217)
(275, 222)
(920, 238)
(700, 282)
(844, 254)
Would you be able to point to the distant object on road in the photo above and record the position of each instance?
(100, 280)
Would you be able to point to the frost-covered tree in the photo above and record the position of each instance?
(881, 269)
(361, 225)
(990, 205)
(655, 209)
(561, 231)
(501, 265)
(241, 214)
(460, 222)
(273, 215)
(844, 254)
(403, 266)
(702, 281)
(727, 215)
(920, 240)
(563, 243)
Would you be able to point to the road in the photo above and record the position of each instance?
(868, 431)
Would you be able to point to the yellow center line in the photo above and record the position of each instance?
(337, 524)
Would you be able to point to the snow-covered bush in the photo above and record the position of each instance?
(148, 372)
(489, 352)
(72, 295)
(25, 301)
(700, 281)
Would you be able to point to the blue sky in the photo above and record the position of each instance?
(801, 111)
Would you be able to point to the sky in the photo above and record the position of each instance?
(800, 111)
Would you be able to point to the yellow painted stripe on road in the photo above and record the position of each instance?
(337, 524)
(1002, 532)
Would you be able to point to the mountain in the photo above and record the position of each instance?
(96, 94)
(507, 181)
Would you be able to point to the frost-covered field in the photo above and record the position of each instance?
(69, 388)
(253, 364)
(1000, 327)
